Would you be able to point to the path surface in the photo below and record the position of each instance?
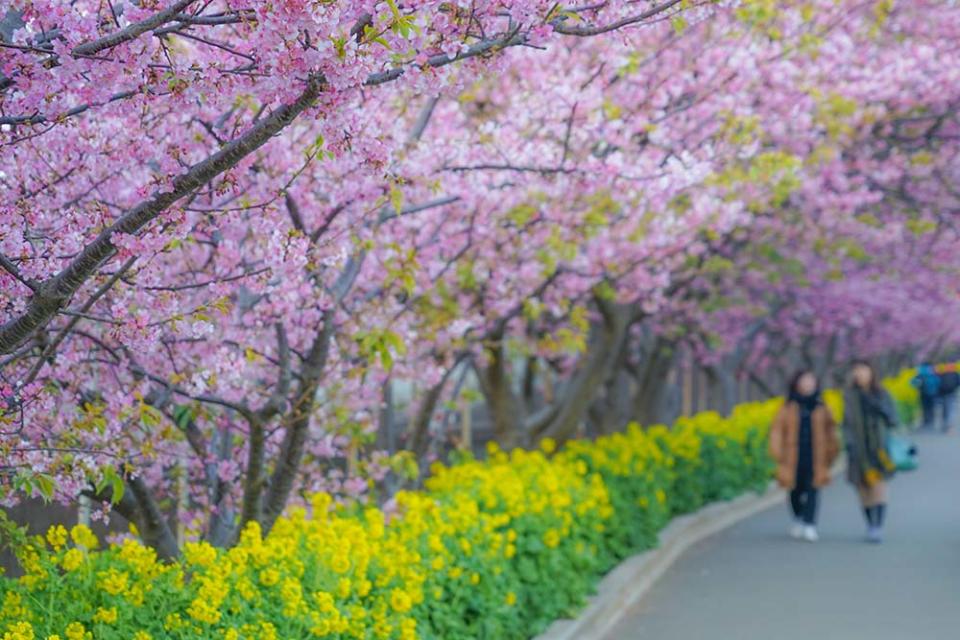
(752, 582)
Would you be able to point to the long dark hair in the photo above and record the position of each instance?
(875, 387)
(792, 392)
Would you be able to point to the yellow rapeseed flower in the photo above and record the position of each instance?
(269, 577)
(57, 536)
(199, 554)
(76, 631)
(551, 538)
(19, 631)
(400, 601)
(113, 581)
(106, 615)
(340, 563)
(84, 537)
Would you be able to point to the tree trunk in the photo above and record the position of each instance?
(607, 341)
(254, 479)
(138, 506)
(611, 411)
(721, 386)
(297, 423)
(653, 380)
(506, 408)
(420, 427)
(222, 526)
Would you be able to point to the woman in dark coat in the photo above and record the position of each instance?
(804, 445)
(868, 415)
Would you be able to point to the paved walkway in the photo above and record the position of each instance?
(752, 582)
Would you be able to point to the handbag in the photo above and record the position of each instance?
(902, 452)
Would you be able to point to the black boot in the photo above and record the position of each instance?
(875, 533)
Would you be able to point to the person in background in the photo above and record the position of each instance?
(949, 384)
(867, 416)
(927, 383)
(804, 445)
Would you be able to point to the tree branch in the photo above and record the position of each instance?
(133, 31)
(11, 268)
(51, 348)
(619, 24)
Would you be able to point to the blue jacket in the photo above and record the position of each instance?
(927, 380)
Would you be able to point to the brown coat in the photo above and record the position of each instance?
(784, 444)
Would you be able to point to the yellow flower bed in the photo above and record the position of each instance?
(906, 397)
(490, 549)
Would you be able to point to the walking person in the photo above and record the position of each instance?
(868, 415)
(804, 445)
(949, 384)
(927, 383)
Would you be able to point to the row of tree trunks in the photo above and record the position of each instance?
(625, 375)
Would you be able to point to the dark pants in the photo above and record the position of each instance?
(929, 405)
(803, 503)
(803, 498)
(948, 402)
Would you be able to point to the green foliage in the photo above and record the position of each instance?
(380, 344)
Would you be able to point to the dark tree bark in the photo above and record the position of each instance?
(653, 384)
(419, 429)
(610, 412)
(721, 384)
(608, 336)
(296, 426)
(138, 506)
(506, 408)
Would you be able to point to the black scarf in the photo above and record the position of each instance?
(807, 403)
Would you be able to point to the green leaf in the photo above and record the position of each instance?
(150, 416)
(396, 199)
(182, 415)
(118, 486)
(45, 484)
(394, 9)
(386, 358)
(394, 340)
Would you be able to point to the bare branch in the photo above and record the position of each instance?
(619, 24)
(294, 210)
(423, 119)
(432, 204)
(509, 167)
(41, 118)
(133, 31)
(278, 399)
(11, 268)
(75, 319)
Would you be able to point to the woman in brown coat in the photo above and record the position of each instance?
(804, 444)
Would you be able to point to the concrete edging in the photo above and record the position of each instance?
(632, 579)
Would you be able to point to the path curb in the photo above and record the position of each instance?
(627, 584)
(631, 580)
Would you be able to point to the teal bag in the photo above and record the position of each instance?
(902, 452)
